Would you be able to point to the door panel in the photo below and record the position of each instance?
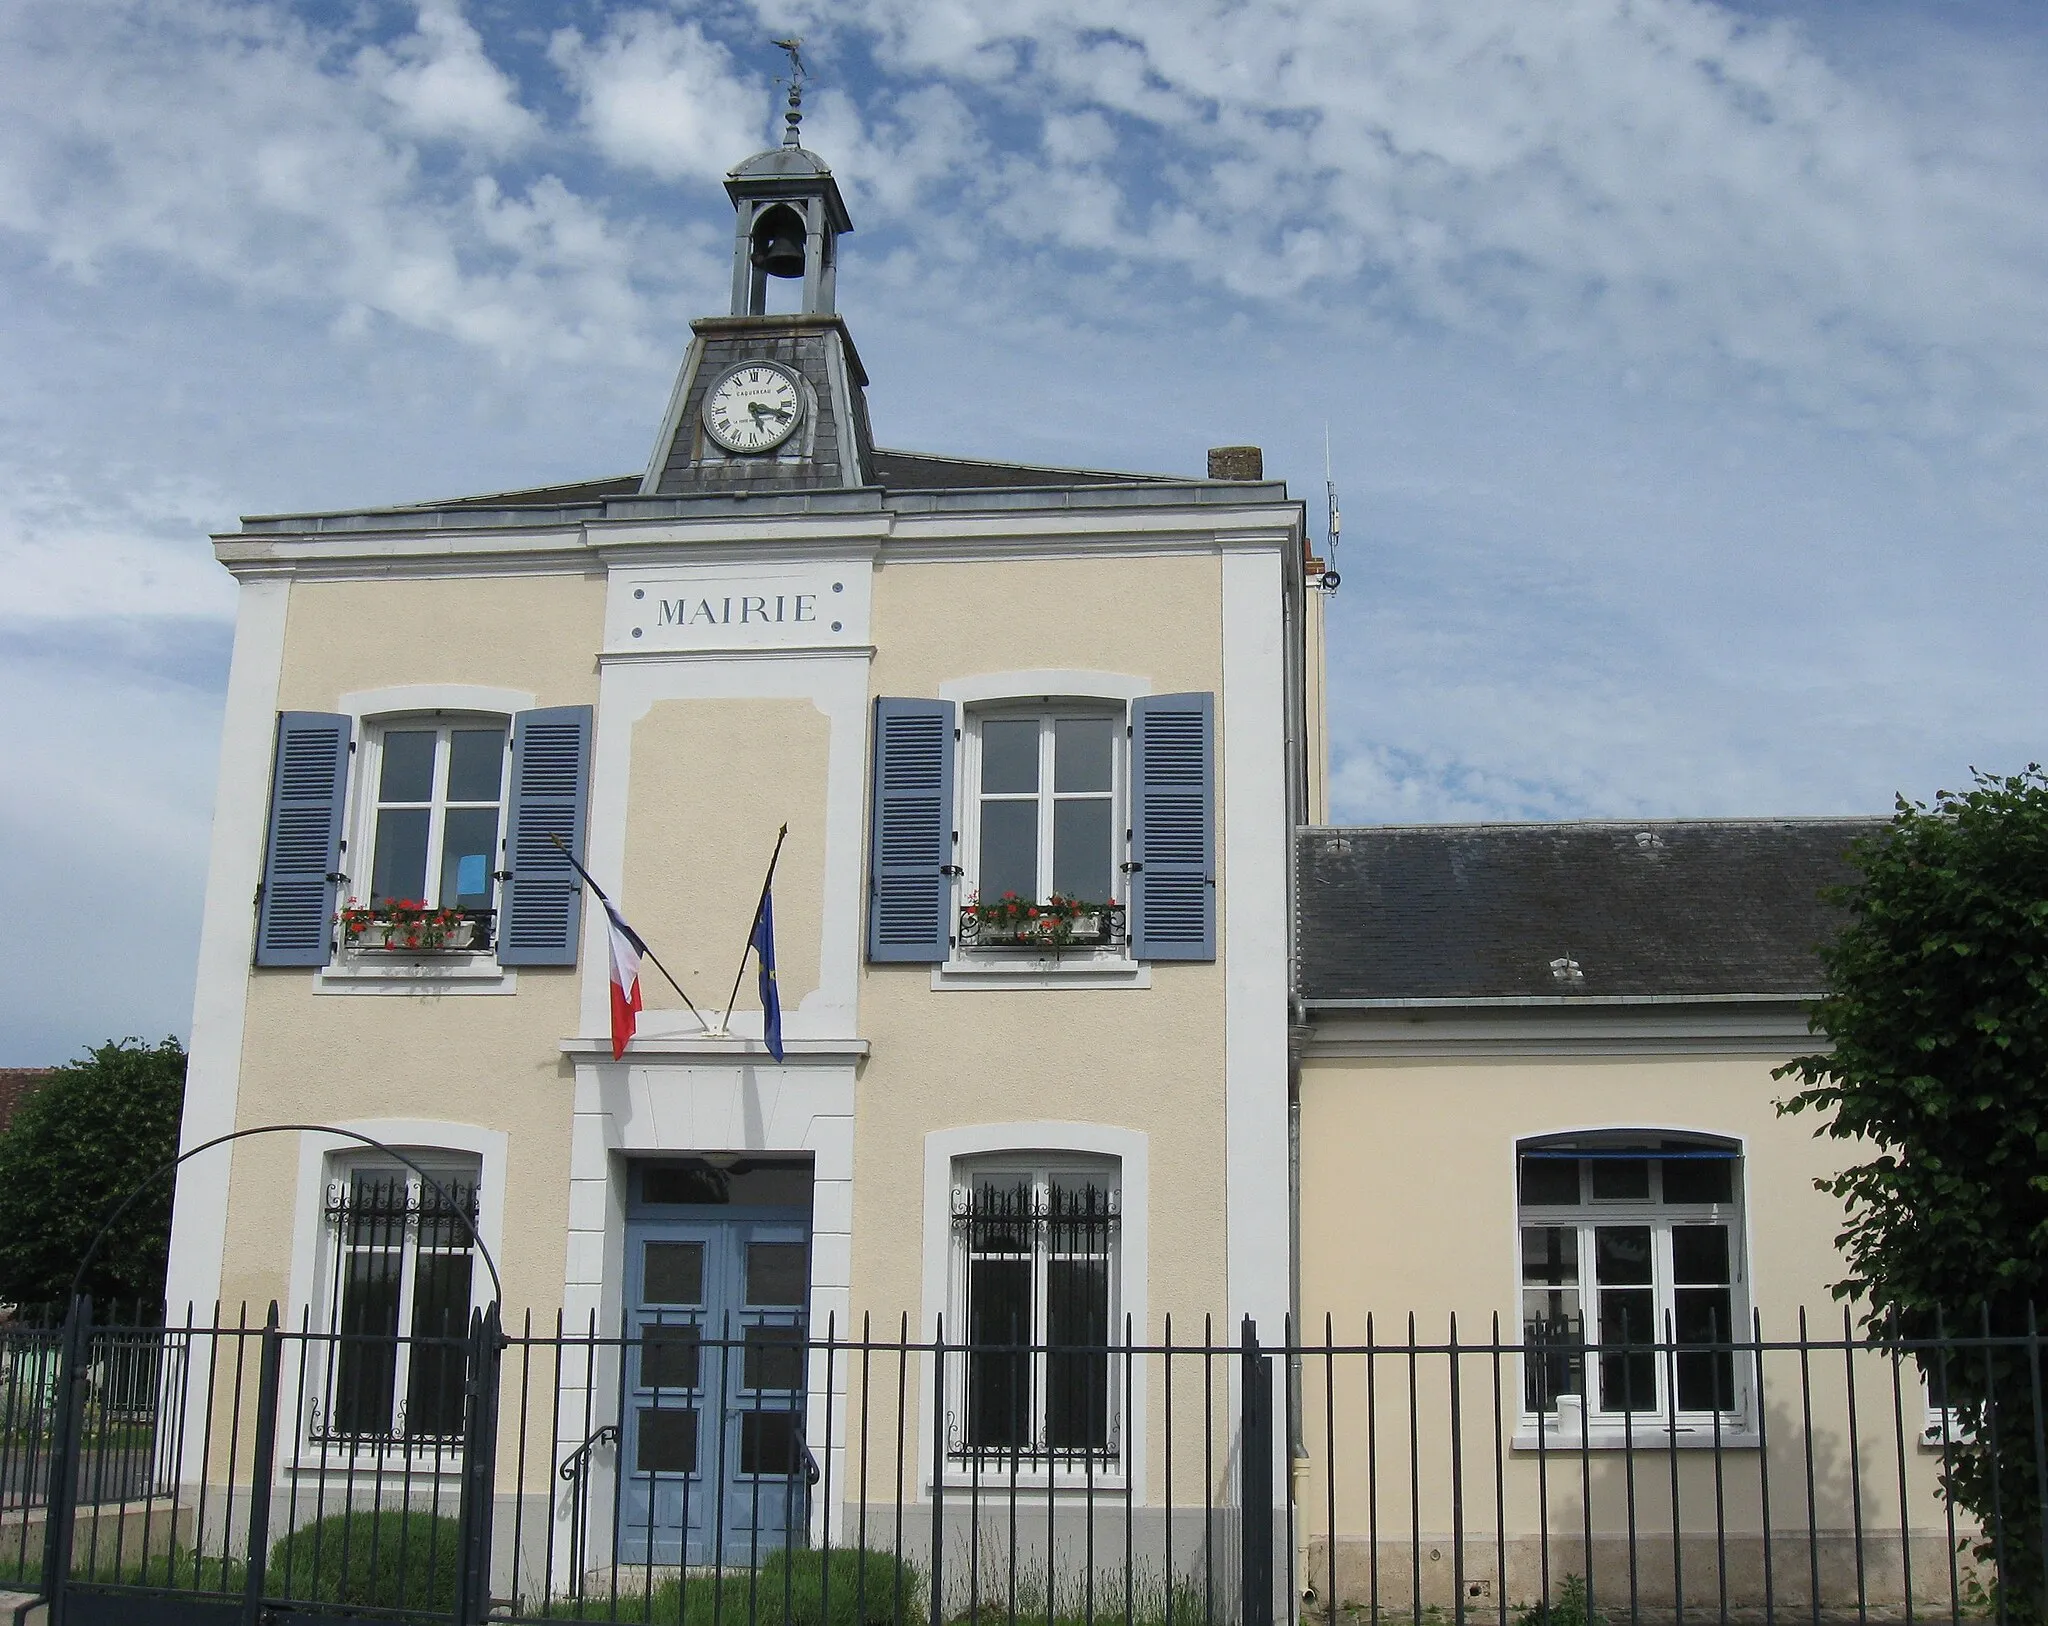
(714, 1452)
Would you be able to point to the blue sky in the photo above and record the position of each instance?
(1685, 366)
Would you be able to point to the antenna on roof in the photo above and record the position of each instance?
(797, 74)
(1330, 579)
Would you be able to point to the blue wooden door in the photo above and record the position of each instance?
(714, 1459)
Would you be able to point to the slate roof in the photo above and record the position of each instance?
(1688, 908)
(923, 471)
(894, 471)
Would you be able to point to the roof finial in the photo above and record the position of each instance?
(797, 71)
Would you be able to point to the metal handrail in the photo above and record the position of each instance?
(574, 1463)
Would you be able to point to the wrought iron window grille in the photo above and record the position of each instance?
(398, 1310)
(1035, 1385)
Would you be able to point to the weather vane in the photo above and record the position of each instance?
(797, 73)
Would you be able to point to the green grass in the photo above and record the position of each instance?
(856, 1587)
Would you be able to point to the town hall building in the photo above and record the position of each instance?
(1094, 1036)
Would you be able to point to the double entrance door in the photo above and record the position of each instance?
(716, 1466)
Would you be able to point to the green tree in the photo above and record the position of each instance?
(1937, 1010)
(88, 1137)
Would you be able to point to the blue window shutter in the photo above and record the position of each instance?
(301, 864)
(1173, 827)
(911, 842)
(540, 911)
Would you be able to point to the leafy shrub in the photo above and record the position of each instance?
(386, 1558)
(1571, 1609)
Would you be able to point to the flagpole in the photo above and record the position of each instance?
(590, 881)
(766, 881)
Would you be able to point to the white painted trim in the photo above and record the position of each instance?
(665, 657)
(1107, 970)
(1603, 1434)
(1053, 683)
(489, 1146)
(226, 946)
(837, 684)
(353, 972)
(1253, 902)
(1132, 1150)
(691, 1103)
(399, 698)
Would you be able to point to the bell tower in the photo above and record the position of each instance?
(772, 401)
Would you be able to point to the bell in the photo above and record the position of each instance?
(779, 249)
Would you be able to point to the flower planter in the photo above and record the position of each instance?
(407, 937)
(1050, 932)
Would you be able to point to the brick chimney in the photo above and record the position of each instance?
(1236, 463)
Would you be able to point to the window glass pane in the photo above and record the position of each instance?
(440, 1321)
(1076, 1374)
(1699, 1179)
(671, 1357)
(1550, 1256)
(775, 1273)
(760, 1182)
(673, 1273)
(998, 1381)
(469, 847)
(440, 1295)
(668, 1441)
(366, 1354)
(1009, 850)
(1081, 752)
(768, 1443)
(1699, 1253)
(1621, 1255)
(1706, 1381)
(1621, 1178)
(1080, 849)
(1628, 1381)
(1009, 755)
(408, 771)
(476, 764)
(774, 1358)
(1550, 1180)
(400, 870)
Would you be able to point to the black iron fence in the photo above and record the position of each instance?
(689, 1475)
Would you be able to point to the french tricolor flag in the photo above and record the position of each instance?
(626, 952)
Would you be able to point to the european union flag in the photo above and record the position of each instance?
(771, 998)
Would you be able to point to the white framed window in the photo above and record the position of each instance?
(1943, 1423)
(1035, 1260)
(1044, 801)
(1631, 1259)
(398, 1289)
(431, 812)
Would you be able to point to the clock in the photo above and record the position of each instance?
(755, 407)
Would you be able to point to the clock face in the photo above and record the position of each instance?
(753, 408)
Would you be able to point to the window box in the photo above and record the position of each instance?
(401, 929)
(1042, 927)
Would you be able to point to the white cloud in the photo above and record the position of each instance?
(442, 84)
(212, 136)
(1661, 180)
(661, 96)
(130, 548)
